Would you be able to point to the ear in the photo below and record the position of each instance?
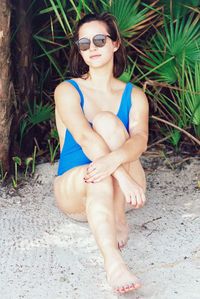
(116, 45)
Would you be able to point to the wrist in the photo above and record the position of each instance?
(118, 157)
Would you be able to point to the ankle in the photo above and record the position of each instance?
(113, 256)
(120, 220)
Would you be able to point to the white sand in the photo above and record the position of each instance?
(46, 255)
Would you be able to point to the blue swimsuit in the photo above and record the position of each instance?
(72, 154)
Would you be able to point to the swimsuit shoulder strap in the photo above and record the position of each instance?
(127, 96)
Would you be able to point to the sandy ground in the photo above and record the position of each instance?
(44, 254)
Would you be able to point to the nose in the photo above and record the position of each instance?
(92, 45)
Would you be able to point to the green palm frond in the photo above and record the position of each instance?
(130, 17)
(179, 40)
(35, 115)
(39, 113)
(178, 8)
(189, 94)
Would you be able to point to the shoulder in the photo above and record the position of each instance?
(64, 86)
(138, 96)
(65, 90)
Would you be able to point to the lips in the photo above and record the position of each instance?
(95, 56)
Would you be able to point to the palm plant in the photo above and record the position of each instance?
(133, 18)
(54, 39)
(188, 96)
(180, 106)
(179, 8)
(163, 47)
(35, 115)
(177, 41)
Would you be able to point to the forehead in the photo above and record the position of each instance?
(91, 28)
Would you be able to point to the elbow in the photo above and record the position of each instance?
(144, 144)
(144, 147)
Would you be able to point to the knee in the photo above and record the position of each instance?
(107, 122)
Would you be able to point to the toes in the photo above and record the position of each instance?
(127, 288)
(132, 286)
(120, 244)
(122, 290)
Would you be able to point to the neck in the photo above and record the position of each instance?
(101, 78)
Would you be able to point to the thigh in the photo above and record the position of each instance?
(70, 192)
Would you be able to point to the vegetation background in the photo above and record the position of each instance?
(163, 46)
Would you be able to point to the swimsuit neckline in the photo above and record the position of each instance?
(121, 100)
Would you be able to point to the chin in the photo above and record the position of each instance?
(99, 63)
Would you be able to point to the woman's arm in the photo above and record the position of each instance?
(132, 149)
(67, 101)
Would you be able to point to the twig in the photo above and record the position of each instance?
(154, 219)
(182, 161)
(161, 84)
(176, 127)
(159, 141)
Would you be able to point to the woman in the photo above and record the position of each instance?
(103, 130)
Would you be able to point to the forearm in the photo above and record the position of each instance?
(95, 147)
(132, 149)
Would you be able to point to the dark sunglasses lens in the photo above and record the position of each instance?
(99, 40)
(84, 44)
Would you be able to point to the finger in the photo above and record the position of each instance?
(93, 179)
(99, 179)
(90, 175)
(91, 166)
(90, 169)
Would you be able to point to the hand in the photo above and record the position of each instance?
(101, 168)
(132, 191)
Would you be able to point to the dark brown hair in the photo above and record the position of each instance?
(77, 66)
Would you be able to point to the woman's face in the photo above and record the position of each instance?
(105, 53)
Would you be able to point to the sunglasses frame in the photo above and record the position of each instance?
(93, 38)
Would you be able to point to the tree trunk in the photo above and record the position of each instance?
(24, 52)
(5, 83)
(23, 78)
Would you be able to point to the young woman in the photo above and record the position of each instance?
(103, 130)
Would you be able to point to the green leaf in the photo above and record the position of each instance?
(130, 17)
(179, 39)
(39, 113)
(28, 161)
(17, 160)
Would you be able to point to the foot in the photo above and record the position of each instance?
(122, 233)
(120, 278)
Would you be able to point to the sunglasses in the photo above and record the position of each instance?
(98, 40)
